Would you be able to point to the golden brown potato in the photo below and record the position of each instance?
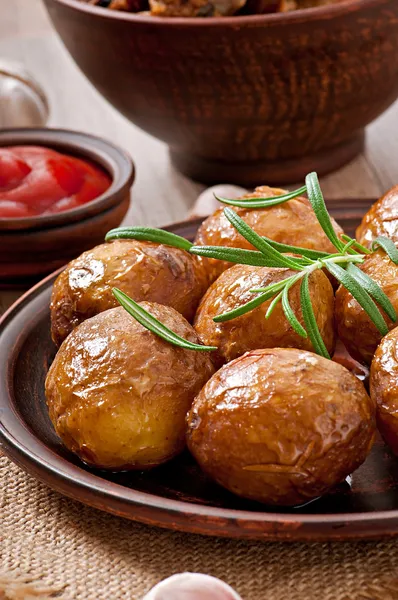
(252, 330)
(381, 219)
(118, 395)
(143, 270)
(281, 426)
(355, 329)
(384, 388)
(293, 222)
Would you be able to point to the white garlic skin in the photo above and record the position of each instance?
(192, 586)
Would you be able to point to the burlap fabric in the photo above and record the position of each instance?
(52, 547)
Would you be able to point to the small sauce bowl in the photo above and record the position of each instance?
(31, 247)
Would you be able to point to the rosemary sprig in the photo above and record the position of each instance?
(342, 265)
(150, 322)
(315, 197)
(148, 234)
(388, 246)
(373, 290)
(239, 256)
(260, 243)
(356, 244)
(262, 202)
(249, 306)
(360, 294)
(309, 319)
(303, 252)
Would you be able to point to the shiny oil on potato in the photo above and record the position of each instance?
(281, 426)
(293, 222)
(118, 394)
(145, 271)
(253, 330)
(384, 388)
(355, 328)
(381, 219)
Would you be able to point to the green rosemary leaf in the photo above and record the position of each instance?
(348, 247)
(289, 313)
(261, 202)
(388, 246)
(373, 290)
(235, 255)
(148, 234)
(318, 204)
(310, 321)
(356, 244)
(273, 305)
(307, 252)
(273, 287)
(242, 310)
(360, 295)
(266, 294)
(152, 324)
(258, 242)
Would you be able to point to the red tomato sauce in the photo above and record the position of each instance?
(39, 181)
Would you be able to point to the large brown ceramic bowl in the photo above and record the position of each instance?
(243, 99)
(31, 247)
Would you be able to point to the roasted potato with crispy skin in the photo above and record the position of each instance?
(384, 388)
(143, 270)
(381, 219)
(355, 329)
(281, 426)
(118, 394)
(252, 330)
(293, 222)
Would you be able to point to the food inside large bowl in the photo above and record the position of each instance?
(144, 270)
(118, 394)
(208, 8)
(281, 426)
(41, 181)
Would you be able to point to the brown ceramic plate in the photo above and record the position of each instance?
(176, 495)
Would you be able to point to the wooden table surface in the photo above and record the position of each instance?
(160, 194)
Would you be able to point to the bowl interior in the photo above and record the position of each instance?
(325, 11)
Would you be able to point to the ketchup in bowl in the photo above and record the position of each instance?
(39, 181)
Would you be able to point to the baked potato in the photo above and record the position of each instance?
(118, 394)
(143, 270)
(384, 388)
(252, 330)
(381, 219)
(281, 426)
(355, 329)
(293, 222)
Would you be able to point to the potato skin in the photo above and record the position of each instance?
(252, 330)
(143, 270)
(281, 426)
(355, 329)
(118, 394)
(384, 388)
(293, 222)
(381, 219)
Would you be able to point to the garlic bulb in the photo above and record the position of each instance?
(192, 586)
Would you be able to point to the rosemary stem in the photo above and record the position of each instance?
(319, 264)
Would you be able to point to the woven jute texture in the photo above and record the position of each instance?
(52, 547)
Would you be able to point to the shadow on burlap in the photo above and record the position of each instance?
(52, 547)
